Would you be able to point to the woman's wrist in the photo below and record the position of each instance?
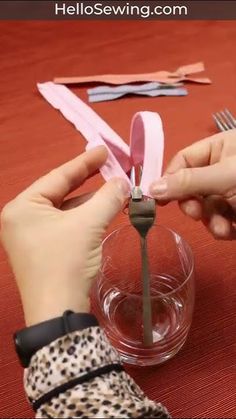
(51, 308)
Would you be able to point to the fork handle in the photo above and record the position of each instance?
(147, 309)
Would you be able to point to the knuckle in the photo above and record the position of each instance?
(230, 194)
(185, 178)
(179, 155)
(7, 214)
(176, 163)
(57, 175)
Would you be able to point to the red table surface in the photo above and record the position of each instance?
(201, 380)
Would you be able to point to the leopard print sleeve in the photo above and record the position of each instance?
(80, 376)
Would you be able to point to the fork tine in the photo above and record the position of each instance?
(218, 123)
(224, 120)
(221, 121)
(230, 118)
(227, 120)
(133, 177)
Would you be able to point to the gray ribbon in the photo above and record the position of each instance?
(153, 89)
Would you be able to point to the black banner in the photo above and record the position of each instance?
(118, 10)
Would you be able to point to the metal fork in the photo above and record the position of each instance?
(224, 120)
(142, 215)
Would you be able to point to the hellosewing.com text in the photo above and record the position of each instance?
(123, 10)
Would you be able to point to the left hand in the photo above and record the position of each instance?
(55, 254)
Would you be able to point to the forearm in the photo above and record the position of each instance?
(80, 375)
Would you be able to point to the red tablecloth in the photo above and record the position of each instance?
(201, 380)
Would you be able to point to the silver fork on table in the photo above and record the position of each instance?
(224, 120)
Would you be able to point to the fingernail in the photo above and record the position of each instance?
(159, 188)
(124, 186)
(193, 211)
(220, 230)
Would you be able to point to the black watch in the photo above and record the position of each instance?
(29, 340)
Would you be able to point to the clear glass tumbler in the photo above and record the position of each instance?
(117, 293)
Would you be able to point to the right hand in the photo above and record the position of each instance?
(202, 178)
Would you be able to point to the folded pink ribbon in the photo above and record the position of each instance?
(183, 73)
(146, 137)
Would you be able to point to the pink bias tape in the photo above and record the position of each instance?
(147, 147)
(146, 137)
(183, 73)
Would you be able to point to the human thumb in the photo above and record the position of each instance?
(107, 202)
(215, 179)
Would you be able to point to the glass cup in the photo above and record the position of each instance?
(117, 293)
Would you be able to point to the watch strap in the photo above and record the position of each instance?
(29, 340)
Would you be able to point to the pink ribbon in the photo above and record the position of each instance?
(183, 73)
(146, 138)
